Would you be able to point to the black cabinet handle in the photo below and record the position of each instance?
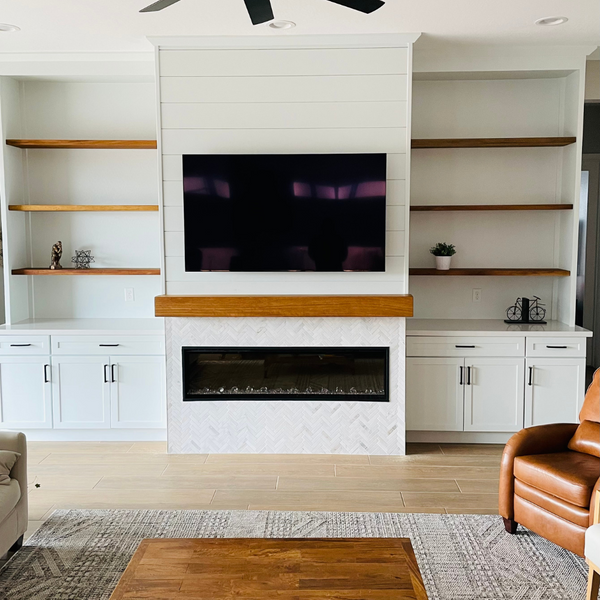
(19, 345)
(46, 378)
(112, 373)
(557, 347)
(105, 374)
(461, 382)
(459, 346)
(108, 345)
(530, 381)
(468, 375)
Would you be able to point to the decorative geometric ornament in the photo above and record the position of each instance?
(82, 259)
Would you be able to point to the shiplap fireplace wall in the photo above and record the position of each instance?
(285, 95)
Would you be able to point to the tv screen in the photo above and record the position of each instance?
(303, 212)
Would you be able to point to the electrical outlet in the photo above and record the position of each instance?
(476, 294)
(129, 295)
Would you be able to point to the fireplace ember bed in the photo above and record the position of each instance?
(278, 374)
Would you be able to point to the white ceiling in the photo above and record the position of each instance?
(117, 26)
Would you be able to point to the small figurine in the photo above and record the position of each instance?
(525, 310)
(82, 259)
(56, 256)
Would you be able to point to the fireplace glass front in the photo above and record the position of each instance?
(347, 374)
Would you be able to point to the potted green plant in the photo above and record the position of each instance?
(443, 255)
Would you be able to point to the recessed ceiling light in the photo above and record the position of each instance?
(282, 25)
(8, 27)
(551, 21)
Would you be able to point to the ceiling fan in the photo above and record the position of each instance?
(260, 11)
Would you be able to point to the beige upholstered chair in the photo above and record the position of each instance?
(592, 553)
(13, 497)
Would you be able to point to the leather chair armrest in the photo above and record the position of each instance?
(543, 439)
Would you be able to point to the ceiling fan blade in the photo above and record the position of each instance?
(260, 11)
(158, 6)
(365, 6)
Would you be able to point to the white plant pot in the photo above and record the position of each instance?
(442, 263)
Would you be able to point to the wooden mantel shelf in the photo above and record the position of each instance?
(284, 306)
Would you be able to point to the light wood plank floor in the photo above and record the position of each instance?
(432, 478)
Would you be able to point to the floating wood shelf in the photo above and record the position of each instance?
(84, 207)
(284, 306)
(86, 271)
(528, 142)
(492, 272)
(91, 144)
(480, 207)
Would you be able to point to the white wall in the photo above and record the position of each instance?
(285, 100)
(519, 107)
(67, 110)
(592, 80)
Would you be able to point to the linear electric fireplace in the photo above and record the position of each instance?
(307, 373)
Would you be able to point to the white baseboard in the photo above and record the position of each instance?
(160, 435)
(457, 437)
(96, 435)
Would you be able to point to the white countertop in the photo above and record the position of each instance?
(476, 327)
(152, 326)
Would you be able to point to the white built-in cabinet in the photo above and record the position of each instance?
(79, 385)
(81, 392)
(434, 394)
(492, 384)
(81, 357)
(554, 391)
(458, 394)
(493, 394)
(137, 396)
(25, 392)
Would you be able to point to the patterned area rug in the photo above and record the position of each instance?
(81, 554)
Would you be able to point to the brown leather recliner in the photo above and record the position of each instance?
(550, 474)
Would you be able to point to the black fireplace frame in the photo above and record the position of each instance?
(288, 398)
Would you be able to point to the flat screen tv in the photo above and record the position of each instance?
(301, 212)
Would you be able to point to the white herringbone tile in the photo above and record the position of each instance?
(316, 427)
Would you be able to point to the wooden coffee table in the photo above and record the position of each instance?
(289, 569)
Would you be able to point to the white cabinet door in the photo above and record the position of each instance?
(81, 392)
(554, 390)
(138, 395)
(434, 394)
(25, 393)
(494, 394)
